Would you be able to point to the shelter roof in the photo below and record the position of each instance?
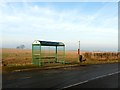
(48, 43)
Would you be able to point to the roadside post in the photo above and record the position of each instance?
(79, 56)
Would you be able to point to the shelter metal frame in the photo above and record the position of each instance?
(37, 58)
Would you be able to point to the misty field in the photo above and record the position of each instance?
(24, 57)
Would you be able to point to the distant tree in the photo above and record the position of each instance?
(17, 47)
(20, 47)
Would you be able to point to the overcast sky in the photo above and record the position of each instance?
(95, 24)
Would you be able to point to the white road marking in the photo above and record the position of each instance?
(89, 80)
(25, 78)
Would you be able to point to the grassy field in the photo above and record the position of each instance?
(21, 59)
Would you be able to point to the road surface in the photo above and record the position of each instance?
(100, 76)
(108, 81)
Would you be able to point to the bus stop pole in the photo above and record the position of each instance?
(79, 48)
(79, 56)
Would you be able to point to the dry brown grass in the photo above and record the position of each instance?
(16, 56)
(71, 56)
(24, 57)
(17, 59)
(94, 57)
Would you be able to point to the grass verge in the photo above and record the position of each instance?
(15, 68)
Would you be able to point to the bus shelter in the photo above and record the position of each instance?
(47, 52)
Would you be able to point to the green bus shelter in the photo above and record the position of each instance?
(47, 52)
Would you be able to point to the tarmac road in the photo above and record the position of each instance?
(110, 81)
(76, 77)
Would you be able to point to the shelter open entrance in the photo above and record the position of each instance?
(47, 52)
